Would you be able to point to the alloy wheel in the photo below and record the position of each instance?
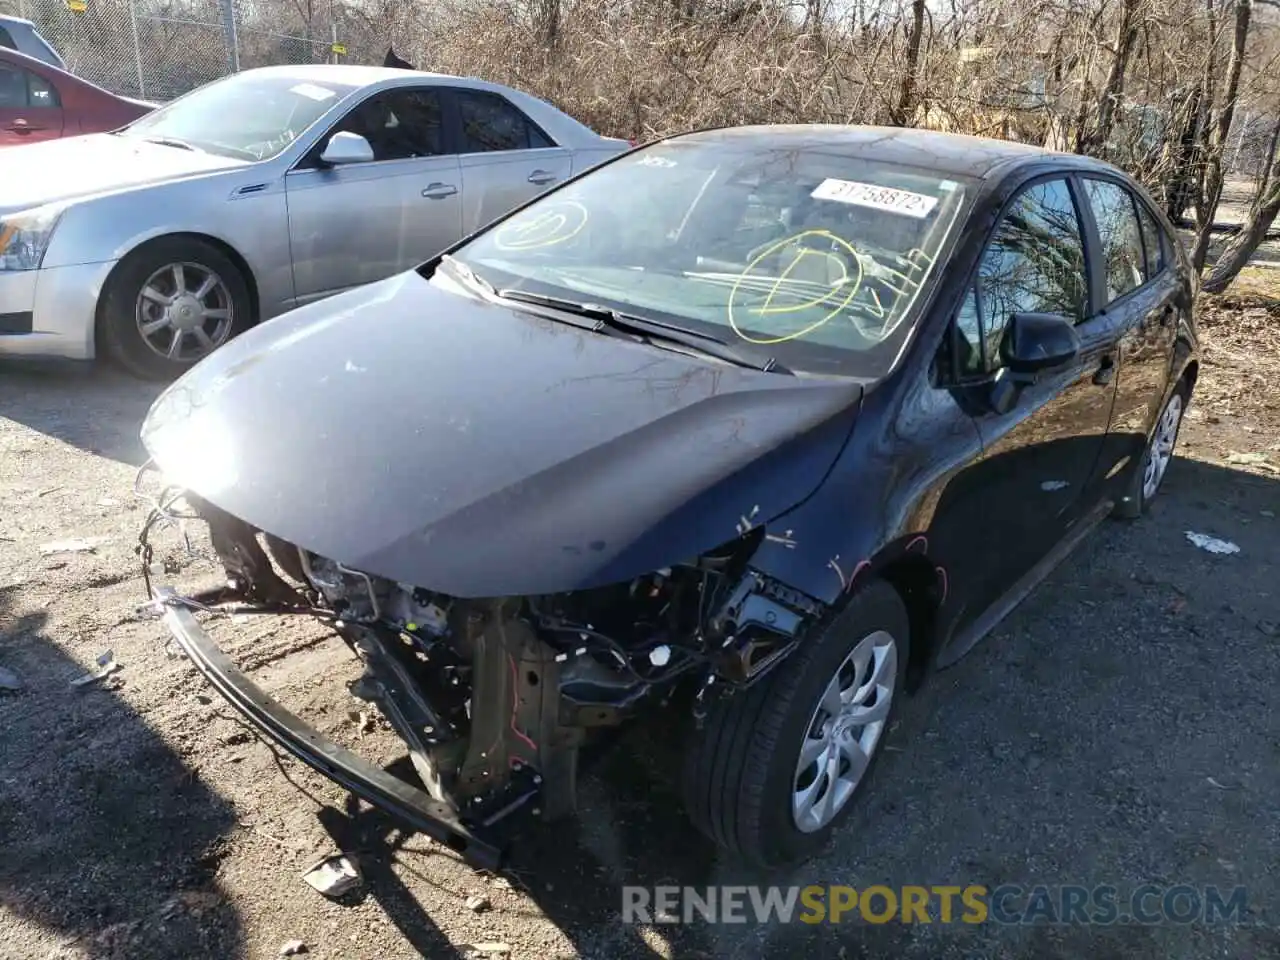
(846, 728)
(184, 312)
(1161, 451)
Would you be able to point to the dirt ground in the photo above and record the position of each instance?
(1119, 728)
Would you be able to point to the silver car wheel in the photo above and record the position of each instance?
(1161, 451)
(184, 312)
(844, 732)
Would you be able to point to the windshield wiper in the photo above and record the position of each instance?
(652, 331)
(170, 142)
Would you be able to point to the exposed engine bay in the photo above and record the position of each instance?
(494, 698)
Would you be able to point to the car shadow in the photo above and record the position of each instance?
(110, 840)
(92, 407)
(1055, 753)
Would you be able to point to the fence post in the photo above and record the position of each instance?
(229, 34)
(137, 49)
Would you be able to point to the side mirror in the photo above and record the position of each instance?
(344, 148)
(1037, 342)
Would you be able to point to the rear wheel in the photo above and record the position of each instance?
(1147, 478)
(170, 304)
(775, 769)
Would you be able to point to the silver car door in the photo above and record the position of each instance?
(360, 222)
(506, 158)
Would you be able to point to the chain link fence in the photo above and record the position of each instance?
(160, 49)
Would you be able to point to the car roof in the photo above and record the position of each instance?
(347, 74)
(950, 154)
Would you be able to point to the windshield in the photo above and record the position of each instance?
(818, 259)
(249, 116)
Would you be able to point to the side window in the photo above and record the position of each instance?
(490, 122)
(1152, 241)
(41, 91)
(399, 124)
(13, 88)
(1034, 264)
(1123, 256)
(6, 40)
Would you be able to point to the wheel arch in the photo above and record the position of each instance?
(921, 583)
(226, 249)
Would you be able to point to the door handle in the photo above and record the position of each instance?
(1106, 371)
(438, 191)
(541, 176)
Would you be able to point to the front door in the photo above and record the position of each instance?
(30, 109)
(506, 158)
(357, 223)
(1039, 454)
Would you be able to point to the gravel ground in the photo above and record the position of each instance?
(1117, 729)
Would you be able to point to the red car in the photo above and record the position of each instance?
(41, 102)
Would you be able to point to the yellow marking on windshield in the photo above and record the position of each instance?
(552, 225)
(851, 285)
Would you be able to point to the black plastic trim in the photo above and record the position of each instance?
(366, 781)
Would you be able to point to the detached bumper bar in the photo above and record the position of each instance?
(390, 793)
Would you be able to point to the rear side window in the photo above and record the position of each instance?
(1034, 264)
(1123, 255)
(6, 39)
(1153, 241)
(489, 122)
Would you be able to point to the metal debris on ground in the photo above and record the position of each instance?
(1260, 460)
(476, 950)
(77, 545)
(1212, 544)
(478, 903)
(9, 680)
(333, 876)
(292, 948)
(107, 665)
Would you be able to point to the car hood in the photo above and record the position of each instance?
(77, 167)
(415, 432)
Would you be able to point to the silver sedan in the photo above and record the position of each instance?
(255, 194)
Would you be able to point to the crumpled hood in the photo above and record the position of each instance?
(411, 431)
(76, 167)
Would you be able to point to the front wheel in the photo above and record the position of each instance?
(775, 769)
(170, 304)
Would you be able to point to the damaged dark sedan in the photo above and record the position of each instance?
(744, 431)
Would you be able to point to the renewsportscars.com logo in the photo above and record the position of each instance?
(973, 904)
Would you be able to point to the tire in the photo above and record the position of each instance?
(741, 770)
(176, 269)
(1164, 437)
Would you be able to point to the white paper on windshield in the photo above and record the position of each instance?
(312, 91)
(878, 198)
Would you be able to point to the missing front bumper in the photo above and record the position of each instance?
(482, 847)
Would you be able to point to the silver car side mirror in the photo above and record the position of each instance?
(344, 148)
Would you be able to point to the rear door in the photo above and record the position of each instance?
(1039, 455)
(30, 108)
(506, 158)
(361, 222)
(1140, 295)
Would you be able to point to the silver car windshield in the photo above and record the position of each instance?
(249, 116)
(821, 260)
